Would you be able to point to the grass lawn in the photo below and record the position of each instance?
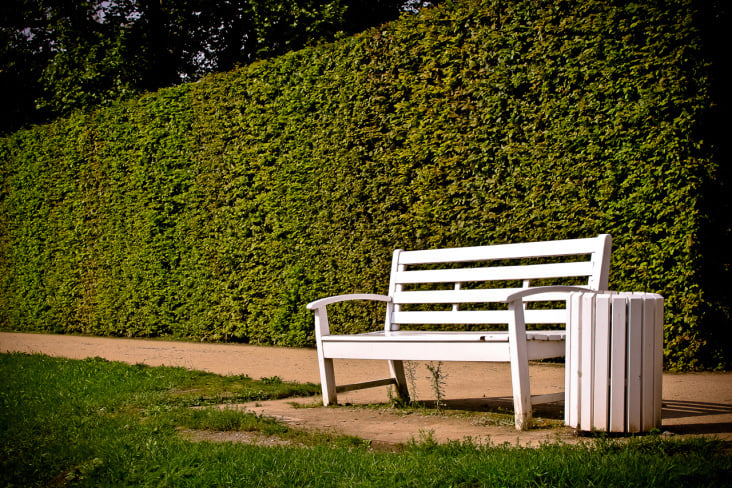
(100, 423)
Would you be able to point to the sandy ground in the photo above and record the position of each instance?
(693, 404)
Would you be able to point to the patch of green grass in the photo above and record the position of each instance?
(210, 389)
(223, 420)
(99, 423)
(226, 420)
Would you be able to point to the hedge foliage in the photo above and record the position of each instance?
(215, 210)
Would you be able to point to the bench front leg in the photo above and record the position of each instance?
(519, 366)
(325, 365)
(322, 329)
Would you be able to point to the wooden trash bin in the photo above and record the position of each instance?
(614, 362)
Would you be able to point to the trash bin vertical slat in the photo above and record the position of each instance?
(586, 360)
(601, 362)
(647, 376)
(634, 362)
(658, 362)
(617, 364)
(574, 334)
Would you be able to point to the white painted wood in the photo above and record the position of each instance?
(477, 317)
(555, 292)
(455, 305)
(598, 280)
(519, 366)
(423, 336)
(342, 298)
(470, 285)
(496, 273)
(658, 362)
(586, 360)
(490, 295)
(647, 365)
(325, 363)
(508, 251)
(394, 288)
(601, 363)
(617, 363)
(418, 351)
(572, 366)
(452, 346)
(635, 350)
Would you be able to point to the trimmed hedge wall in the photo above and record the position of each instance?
(215, 210)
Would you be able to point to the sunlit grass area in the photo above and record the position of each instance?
(100, 423)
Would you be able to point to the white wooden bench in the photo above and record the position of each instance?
(467, 286)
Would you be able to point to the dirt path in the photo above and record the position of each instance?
(698, 403)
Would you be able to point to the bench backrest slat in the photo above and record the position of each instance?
(567, 247)
(466, 317)
(496, 273)
(475, 280)
(467, 296)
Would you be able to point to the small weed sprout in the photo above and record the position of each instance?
(426, 440)
(437, 377)
(410, 370)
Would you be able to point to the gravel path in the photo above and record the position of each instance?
(695, 403)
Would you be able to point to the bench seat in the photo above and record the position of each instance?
(413, 345)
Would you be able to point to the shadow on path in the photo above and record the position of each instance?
(673, 409)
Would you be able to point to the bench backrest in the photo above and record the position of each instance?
(462, 285)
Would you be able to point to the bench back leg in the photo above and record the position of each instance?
(396, 368)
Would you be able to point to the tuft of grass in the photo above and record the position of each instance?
(410, 371)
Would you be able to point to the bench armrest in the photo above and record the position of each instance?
(321, 312)
(342, 298)
(521, 294)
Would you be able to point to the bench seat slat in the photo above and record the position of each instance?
(428, 347)
(443, 336)
(495, 273)
(501, 251)
(477, 317)
(421, 351)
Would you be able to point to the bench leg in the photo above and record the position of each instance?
(396, 368)
(327, 374)
(327, 380)
(521, 394)
(519, 367)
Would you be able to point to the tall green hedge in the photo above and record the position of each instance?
(215, 210)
